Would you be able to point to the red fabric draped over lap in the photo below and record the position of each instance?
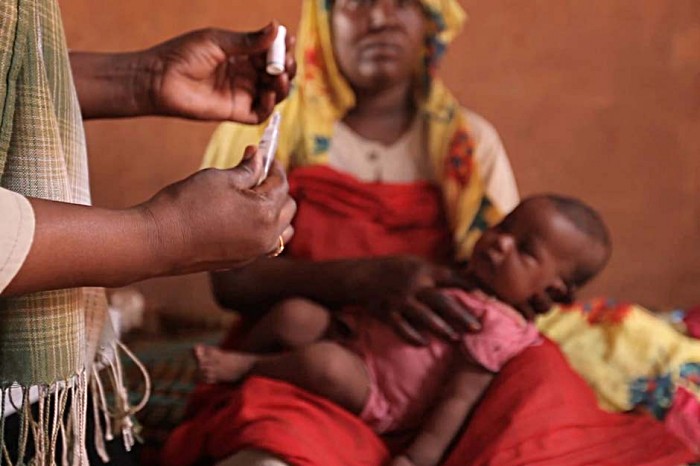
(269, 415)
(538, 411)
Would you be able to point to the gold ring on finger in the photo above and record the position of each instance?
(278, 250)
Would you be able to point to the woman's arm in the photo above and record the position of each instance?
(253, 289)
(403, 290)
(468, 384)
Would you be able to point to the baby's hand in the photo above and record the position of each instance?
(401, 460)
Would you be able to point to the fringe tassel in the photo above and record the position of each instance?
(71, 427)
(44, 430)
(6, 455)
(104, 408)
(3, 392)
(47, 427)
(100, 445)
(124, 412)
(66, 437)
(79, 413)
(40, 437)
(25, 419)
(59, 409)
(62, 415)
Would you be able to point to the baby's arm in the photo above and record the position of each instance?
(468, 383)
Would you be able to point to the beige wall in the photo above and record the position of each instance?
(596, 98)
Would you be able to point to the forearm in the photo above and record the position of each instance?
(78, 245)
(445, 421)
(112, 85)
(267, 281)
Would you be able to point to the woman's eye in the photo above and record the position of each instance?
(360, 2)
(353, 5)
(525, 247)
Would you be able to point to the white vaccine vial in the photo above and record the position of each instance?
(276, 53)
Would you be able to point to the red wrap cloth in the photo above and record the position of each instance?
(538, 411)
(338, 217)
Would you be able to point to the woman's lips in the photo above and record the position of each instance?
(381, 49)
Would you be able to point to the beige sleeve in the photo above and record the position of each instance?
(16, 234)
(493, 162)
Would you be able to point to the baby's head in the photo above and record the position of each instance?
(549, 246)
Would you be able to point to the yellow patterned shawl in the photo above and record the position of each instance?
(628, 355)
(322, 96)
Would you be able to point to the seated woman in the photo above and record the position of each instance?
(391, 177)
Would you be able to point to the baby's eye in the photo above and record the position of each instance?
(564, 294)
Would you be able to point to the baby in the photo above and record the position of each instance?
(548, 244)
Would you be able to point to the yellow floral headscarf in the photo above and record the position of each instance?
(322, 96)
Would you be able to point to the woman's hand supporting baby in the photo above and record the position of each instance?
(406, 291)
(402, 290)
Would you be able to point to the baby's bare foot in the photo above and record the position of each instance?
(216, 365)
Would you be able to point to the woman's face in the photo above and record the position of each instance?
(378, 43)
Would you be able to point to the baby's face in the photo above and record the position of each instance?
(535, 251)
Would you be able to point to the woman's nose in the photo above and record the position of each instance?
(383, 13)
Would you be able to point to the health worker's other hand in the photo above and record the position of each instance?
(406, 292)
(215, 74)
(219, 219)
